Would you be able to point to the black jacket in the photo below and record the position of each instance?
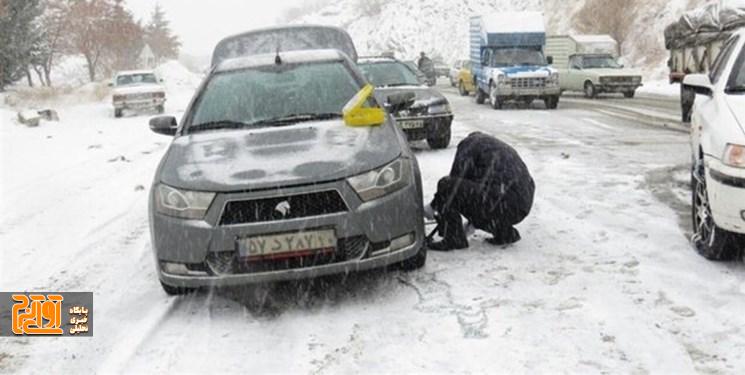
(498, 168)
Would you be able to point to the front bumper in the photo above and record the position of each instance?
(617, 88)
(140, 103)
(509, 93)
(726, 186)
(210, 249)
(433, 126)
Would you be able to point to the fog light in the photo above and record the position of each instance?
(180, 269)
(402, 242)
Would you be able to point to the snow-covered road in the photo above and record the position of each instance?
(603, 281)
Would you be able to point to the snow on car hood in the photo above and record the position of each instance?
(529, 71)
(138, 89)
(423, 96)
(736, 105)
(239, 160)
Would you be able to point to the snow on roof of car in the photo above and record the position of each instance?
(514, 22)
(133, 72)
(290, 57)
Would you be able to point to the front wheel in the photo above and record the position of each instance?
(480, 96)
(712, 242)
(629, 94)
(416, 262)
(160, 109)
(496, 102)
(590, 91)
(118, 113)
(439, 141)
(552, 102)
(462, 89)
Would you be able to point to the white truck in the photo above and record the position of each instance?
(137, 90)
(695, 40)
(589, 64)
(508, 62)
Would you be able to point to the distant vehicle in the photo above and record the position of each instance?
(508, 62)
(137, 90)
(587, 63)
(419, 75)
(455, 71)
(429, 117)
(695, 40)
(441, 68)
(285, 167)
(465, 80)
(718, 144)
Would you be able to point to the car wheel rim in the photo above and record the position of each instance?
(704, 222)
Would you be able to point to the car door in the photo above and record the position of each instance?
(573, 75)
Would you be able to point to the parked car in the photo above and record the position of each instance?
(465, 81)
(284, 167)
(137, 90)
(441, 68)
(718, 144)
(455, 71)
(429, 117)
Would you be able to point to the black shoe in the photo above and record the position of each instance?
(446, 245)
(509, 237)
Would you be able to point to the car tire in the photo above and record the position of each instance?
(452, 83)
(161, 109)
(439, 141)
(712, 242)
(416, 262)
(629, 94)
(117, 113)
(496, 103)
(176, 290)
(552, 102)
(462, 89)
(687, 98)
(590, 91)
(480, 96)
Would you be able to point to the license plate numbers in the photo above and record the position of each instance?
(411, 124)
(288, 245)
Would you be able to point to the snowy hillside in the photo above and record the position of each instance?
(440, 27)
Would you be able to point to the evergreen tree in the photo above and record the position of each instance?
(19, 36)
(159, 36)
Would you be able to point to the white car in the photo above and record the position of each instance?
(718, 144)
(137, 90)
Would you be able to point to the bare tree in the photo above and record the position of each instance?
(612, 17)
(88, 23)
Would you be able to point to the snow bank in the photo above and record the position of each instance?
(660, 88)
(176, 76)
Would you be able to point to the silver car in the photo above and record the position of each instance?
(270, 178)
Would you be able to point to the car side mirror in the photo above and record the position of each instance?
(165, 125)
(398, 102)
(550, 60)
(699, 83)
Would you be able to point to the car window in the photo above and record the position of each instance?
(262, 94)
(391, 73)
(721, 61)
(737, 78)
(600, 62)
(136, 79)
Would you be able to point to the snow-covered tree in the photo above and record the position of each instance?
(159, 36)
(19, 36)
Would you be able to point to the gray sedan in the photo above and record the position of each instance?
(267, 179)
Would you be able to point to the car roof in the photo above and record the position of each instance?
(376, 60)
(289, 57)
(133, 72)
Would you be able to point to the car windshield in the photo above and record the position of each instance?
(517, 56)
(388, 74)
(600, 62)
(274, 95)
(136, 79)
(738, 75)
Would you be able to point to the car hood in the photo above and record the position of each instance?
(139, 89)
(241, 160)
(736, 105)
(527, 71)
(423, 96)
(614, 72)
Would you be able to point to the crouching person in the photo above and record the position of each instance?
(490, 186)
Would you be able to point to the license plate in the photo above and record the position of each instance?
(412, 124)
(288, 245)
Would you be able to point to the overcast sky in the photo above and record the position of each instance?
(202, 23)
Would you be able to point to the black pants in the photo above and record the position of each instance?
(486, 210)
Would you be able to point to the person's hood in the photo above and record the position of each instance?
(736, 104)
(138, 89)
(527, 71)
(423, 96)
(608, 72)
(307, 153)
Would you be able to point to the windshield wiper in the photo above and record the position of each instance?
(295, 119)
(214, 125)
(401, 84)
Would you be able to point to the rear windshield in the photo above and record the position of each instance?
(262, 94)
(135, 79)
(389, 74)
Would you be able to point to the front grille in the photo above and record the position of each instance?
(229, 263)
(618, 79)
(282, 208)
(140, 96)
(528, 83)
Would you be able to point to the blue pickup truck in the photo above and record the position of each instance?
(508, 60)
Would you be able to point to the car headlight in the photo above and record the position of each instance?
(734, 156)
(439, 109)
(182, 204)
(637, 80)
(553, 79)
(604, 80)
(382, 181)
(502, 79)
